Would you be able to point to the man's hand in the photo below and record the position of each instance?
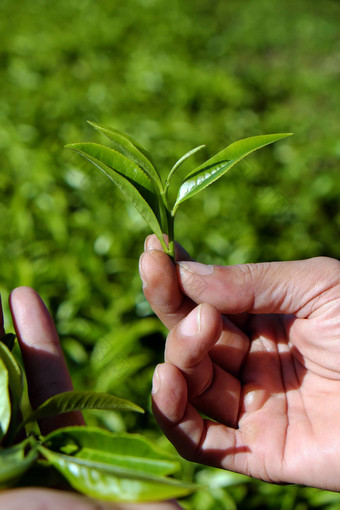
(259, 356)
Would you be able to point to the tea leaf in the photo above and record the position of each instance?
(15, 376)
(15, 461)
(80, 400)
(180, 162)
(218, 165)
(116, 467)
(121, 164)
(5, 404)
(129, 190)
(119, 449)
(127, 146)
(112, 483)
(16, 386)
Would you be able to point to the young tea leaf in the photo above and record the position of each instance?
(218, 165)
(129, 190)
(180, 162)
(121, 164)
(5, 403)
(131, 149)
(80, 400)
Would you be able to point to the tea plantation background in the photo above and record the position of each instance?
(173, 74)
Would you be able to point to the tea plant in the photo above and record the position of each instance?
(130, 168)
(94, 461)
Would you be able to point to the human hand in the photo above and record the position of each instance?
(47, 375)
(260, 357)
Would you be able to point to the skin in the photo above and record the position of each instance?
(48, 375)
(256, 349)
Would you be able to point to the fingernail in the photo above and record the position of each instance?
(195, 267)
(156, 382)
(142, 272)
(191, 325)
(151, 243)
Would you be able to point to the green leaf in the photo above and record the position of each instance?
(16, 460)
(180, 162)
(106, 482)
(218, 165)
(131, 451)
(16, 387)
(15, 376)
(127, 146)
(121, 164)
(115, 467)
(5, 404)
(80, 400)
(128, 189)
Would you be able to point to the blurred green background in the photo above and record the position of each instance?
(173, 74)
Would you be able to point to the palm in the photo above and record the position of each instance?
(285, 421)
(267, 377)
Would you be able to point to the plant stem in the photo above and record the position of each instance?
(168, 226)
(170, 232)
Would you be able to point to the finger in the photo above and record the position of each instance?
(211, 389)
(195, 438)
(43, 358)
(297, 287)
(231, 349)
(33, 499)
(160, 285)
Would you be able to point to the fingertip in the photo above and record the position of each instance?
(152, 263)
(156, 381)
(152, 243)
(19, 292)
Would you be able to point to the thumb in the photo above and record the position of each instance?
(294, 287)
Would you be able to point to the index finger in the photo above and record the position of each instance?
(160, 283)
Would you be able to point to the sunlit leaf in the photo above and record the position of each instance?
(5, 403)
(80, 400)
(129, 190)
(106, 482)
(126, 145)
(131, 451)
(114, 467)
(181, 161)
(218, 165)
(15, 461)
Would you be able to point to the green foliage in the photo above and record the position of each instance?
(115, 467)
(174, 75)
